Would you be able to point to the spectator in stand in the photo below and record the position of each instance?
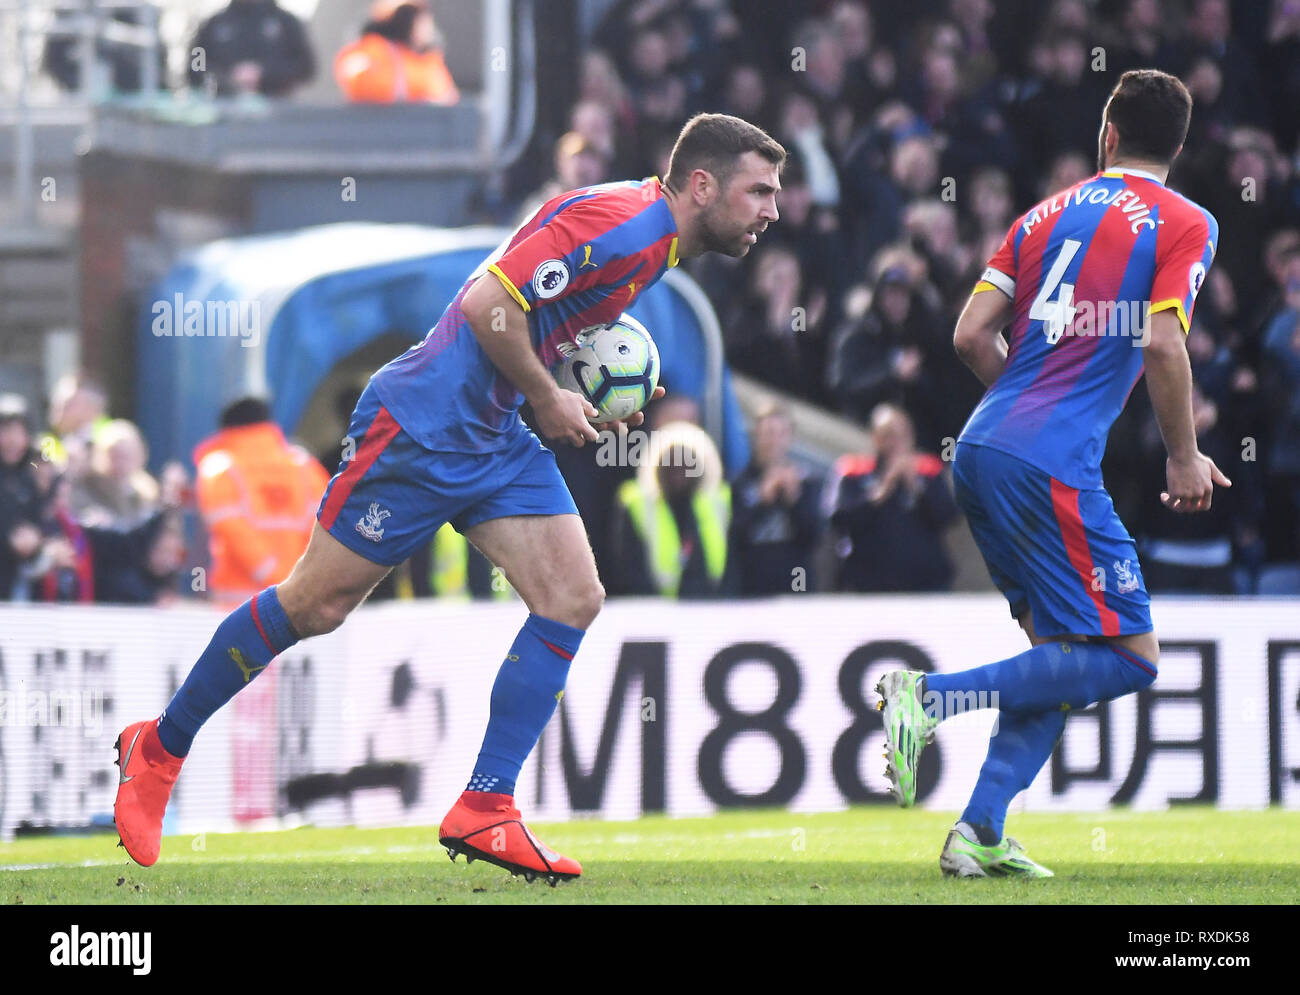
(21, 494)
(991, 207)
(1213, 121)
(745, 95)
(1280, 65)
(704, 40)
(648, 62)
(595, 123)
(1070, 16)
(258, 496)
(662, 105)
(889, 511)
(594, 479)
(914, 166)
(775, 514)
(870, 70)
(950, 103)
(252, 46)
(77, 405)
(1277, 251)
(604, 114)
(777, 332)
(397, 59)
(1193, 554)
(101, 564)
(599, 83)
(1136, 39)
(802, 130)
(1066, 170)
(879, 355)
(931, 229)
(1208, 33)
(812, 233)
(972, 18)
(822, 82)
(577, 164)
(672, 519)
(1246, 192)
(117, 491)
(1061, 114)
(1281, 366)
(871, 202)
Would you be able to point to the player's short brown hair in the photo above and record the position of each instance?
(714, 142)
(1151, 111)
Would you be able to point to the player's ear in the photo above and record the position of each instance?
(703, 185)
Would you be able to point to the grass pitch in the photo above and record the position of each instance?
(866, 855)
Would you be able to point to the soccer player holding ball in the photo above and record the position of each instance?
(423, 427)
(1095, 284)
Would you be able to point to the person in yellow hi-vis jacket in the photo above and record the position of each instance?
(671, 525)
(449, 567)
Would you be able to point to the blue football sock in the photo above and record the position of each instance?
(1020, 745)
(527, 689)
(1050, 677)
(244, 644)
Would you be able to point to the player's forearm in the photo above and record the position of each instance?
(978, 336)
(986, 356)
(501, 328)
(1169, 383)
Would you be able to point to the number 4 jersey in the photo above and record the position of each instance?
(1086, 268)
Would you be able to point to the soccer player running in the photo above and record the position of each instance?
(1094, 283)
(439, 438)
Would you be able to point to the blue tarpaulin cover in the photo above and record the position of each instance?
(271, 315)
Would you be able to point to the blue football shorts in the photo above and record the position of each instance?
(1061, 552)
(393, 494)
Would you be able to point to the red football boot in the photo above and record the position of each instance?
(488, 827)
(144, 784)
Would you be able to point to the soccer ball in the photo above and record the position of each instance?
(614, 366)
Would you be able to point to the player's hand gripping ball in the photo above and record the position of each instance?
(614, 366)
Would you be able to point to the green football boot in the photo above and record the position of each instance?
(907, 730)
(964, 856)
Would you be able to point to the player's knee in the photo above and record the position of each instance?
(325, 615)
(588, 599)
(577, 605)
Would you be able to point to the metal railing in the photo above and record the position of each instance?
(507, 103)
(25, 28)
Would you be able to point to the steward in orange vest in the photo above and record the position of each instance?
(398, 58)
(258, 496)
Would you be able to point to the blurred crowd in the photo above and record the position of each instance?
(82, 519)
(258, 47)
(917, 134)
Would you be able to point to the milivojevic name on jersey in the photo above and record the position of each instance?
(1125, 199)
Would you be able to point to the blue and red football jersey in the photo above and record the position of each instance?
(580, 260)
(1084, 269)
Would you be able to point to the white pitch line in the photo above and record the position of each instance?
(354, 851)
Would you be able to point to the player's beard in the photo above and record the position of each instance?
(715, 238)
